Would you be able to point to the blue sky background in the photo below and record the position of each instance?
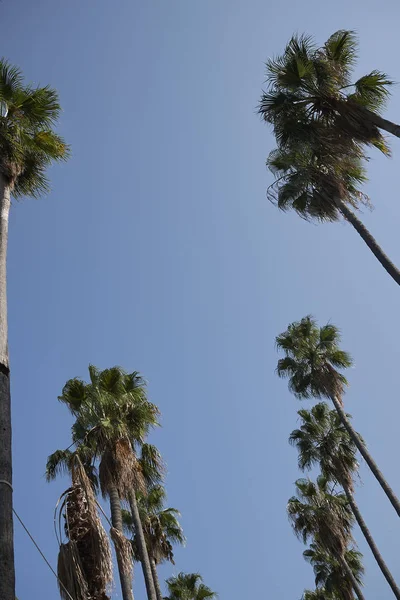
(158, 251)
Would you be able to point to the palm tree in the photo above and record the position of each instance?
(113, 417)
(161, 530)
(322, 184)
(320, 132)
(317, 513)
(323, 440)
(84, 561)
(188, 586)
(318, 594)
(311, 363)
(27, 147)
(329, 574)
(317, 81)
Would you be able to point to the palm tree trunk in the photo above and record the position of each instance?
(370, 540)
(142, 548)
(352, 579)
(365, 454)
(116, 520)
(155, 579)
(382, 123)
(7, 578)
(371, 242)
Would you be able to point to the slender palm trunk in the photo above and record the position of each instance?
(116, 520)
(371, 242)
(352, 579)
(365, 454)
(143, 552)
(370, 540)
(7, 578)
(382, 123)
(155, 579)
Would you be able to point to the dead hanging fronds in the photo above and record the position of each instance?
(119, 467)
(85, 530)
(123, 550)
(71, 579)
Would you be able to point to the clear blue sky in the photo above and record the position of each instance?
(158, 251)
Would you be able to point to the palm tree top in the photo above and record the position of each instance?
(315, 82)
(312, 359)
(323, 440)
(113, 406)
(188, 586)
(28, 144)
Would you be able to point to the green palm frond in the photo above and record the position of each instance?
(188, 586)
(312, 357)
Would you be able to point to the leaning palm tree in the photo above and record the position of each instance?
(323, 440)
(84, 561)
(317, 81)
(320, 122)
(322, 184)
(113, 418)
(329, 574)
(188, 586)
(319, 514)
(312, 359)
(28, 145)
(161, 530)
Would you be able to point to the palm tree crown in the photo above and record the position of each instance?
(309, 83)
(312, 357)
(188, 586)
(323, 440)
(27, 143)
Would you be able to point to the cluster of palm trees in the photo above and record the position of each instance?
(109, 454)
(323, 122)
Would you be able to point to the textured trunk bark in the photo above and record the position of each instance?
(370, 540)
(350, 575)
(7, 577)
(116, 520)
(143, 552)
(366, 455)
(155, 579)
(371, 242)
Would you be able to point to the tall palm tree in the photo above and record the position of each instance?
(161, 530)
(113, 417)
(188, 586)
(28, 145)
(322, 184)
(329, 574)
(323, 440)
(84, 561)
(321, 122)
(312, 359)
(319, 514)
(317, 81)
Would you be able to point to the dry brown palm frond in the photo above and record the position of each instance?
(72, 581)
(119, 467)
(123, 550)
(85, 529)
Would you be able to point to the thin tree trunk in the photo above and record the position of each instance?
(371, 242)
(365, 454)
(116, 520)
(7, 569)
(143, 552)
(382, 123)
(352, 579)
(155, 579)
(370, 541)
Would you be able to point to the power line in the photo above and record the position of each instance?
(41, 553)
